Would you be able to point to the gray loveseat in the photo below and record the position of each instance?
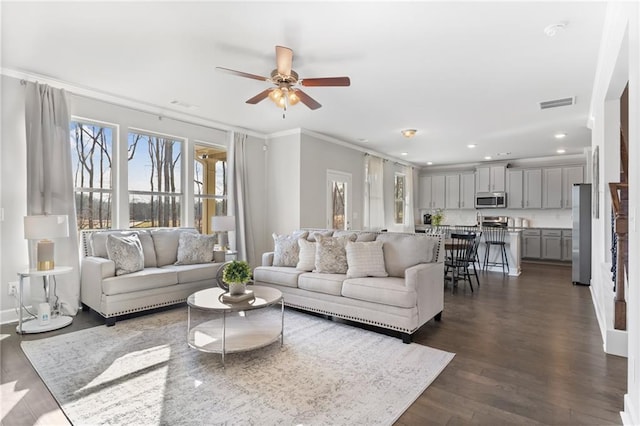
(161, 282)
(411, 294)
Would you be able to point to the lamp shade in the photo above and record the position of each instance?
(46, 226)
(223, 223)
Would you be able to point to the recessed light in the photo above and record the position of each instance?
(488, 157)
(429, 163)
(408, 133)
(561, 151)
(404, 153)
(560, 135)
(553, 29)
(363, 140)
(471, 145)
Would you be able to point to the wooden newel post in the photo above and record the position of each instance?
(621, 229)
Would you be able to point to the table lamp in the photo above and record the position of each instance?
(222, 225)
(44, 228)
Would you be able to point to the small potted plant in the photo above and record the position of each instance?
(438, 217)
(237, 274)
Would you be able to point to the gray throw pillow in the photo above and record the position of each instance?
(195, 248)
(307, 255)
(126, 253)
(286, 249)
(331, 256)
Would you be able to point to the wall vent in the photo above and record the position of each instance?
(558, 103)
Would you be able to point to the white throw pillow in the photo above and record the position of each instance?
(307, 255)
(195, 248)
(126, 253)
(331, 256)
(365, 259)
(286, 249)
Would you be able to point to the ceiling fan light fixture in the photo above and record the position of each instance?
(275, 94)
(408, 133)
(293, 97)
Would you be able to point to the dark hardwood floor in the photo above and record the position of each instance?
(528, 350)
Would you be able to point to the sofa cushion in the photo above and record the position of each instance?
(280, 275)
(166, 243)
(146, 279)
(365, 259)
(195, 248)
(148, 249)
(402, 251)
(307, 255)
(324, 232)
(195, 272)
(322, 283)
(387, 291)
(331, 256)
(126, 253)
(98, 241)
(286, 248)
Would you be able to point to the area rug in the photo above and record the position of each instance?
(143, 372)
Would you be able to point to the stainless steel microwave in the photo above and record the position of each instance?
(489, 200)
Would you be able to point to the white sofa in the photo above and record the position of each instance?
(411, 295)
(160, 283)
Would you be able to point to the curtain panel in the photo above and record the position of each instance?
(374, 194)
(50, 183)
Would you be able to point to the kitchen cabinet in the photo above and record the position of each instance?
(551, 244)
(566, 245)
(552, 188)
(531, 244)
(490, 179)
(432, 192)
(515, 195)
(570, 175)
(467, 191)
(532, 188)
(452, 188)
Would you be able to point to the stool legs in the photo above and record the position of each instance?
(504, 259)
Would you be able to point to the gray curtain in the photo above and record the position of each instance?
(50, 181)
(239, 199)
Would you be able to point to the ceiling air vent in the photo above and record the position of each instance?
(557, 103)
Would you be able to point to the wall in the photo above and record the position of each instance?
(316, 157)
(619, 61)
(283, 183)
(13, 189)
(556, 218)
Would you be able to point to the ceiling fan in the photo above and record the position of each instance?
(285, 79)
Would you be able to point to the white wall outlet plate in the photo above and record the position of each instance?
(13, 288)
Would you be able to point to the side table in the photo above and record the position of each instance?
(33, 325)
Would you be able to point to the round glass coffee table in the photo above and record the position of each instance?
(238, 330)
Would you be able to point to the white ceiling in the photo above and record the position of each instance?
(459, 72)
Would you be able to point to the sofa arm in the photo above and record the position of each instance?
(94, 270)
(427, 279)
(267, 258)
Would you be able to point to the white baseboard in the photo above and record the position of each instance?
(9, 316)
(617, 342)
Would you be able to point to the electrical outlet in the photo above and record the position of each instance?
(13, 288)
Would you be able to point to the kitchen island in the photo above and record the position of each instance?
(513, 243)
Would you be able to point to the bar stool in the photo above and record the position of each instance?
(495, 236)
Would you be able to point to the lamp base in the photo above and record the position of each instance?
(46, 265)
(34, 326)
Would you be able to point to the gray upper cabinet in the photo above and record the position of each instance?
(570, 175)
(452, 186)
(467, 191)
(515, 188)
(552, 188)
(532, 188)
(490, 179)
(432, 192)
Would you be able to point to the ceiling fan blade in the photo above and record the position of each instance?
(259, 97)
(327, 81)
(284, 59)
(242, 74)
(307, 100)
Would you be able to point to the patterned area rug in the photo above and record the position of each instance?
(143, 372)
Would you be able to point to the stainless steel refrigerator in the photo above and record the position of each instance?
(581, 234)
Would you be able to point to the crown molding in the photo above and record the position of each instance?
(91, 93)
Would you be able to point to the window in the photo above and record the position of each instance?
(155, 192)
(91, 153)
(209, 185)
(399, 196)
